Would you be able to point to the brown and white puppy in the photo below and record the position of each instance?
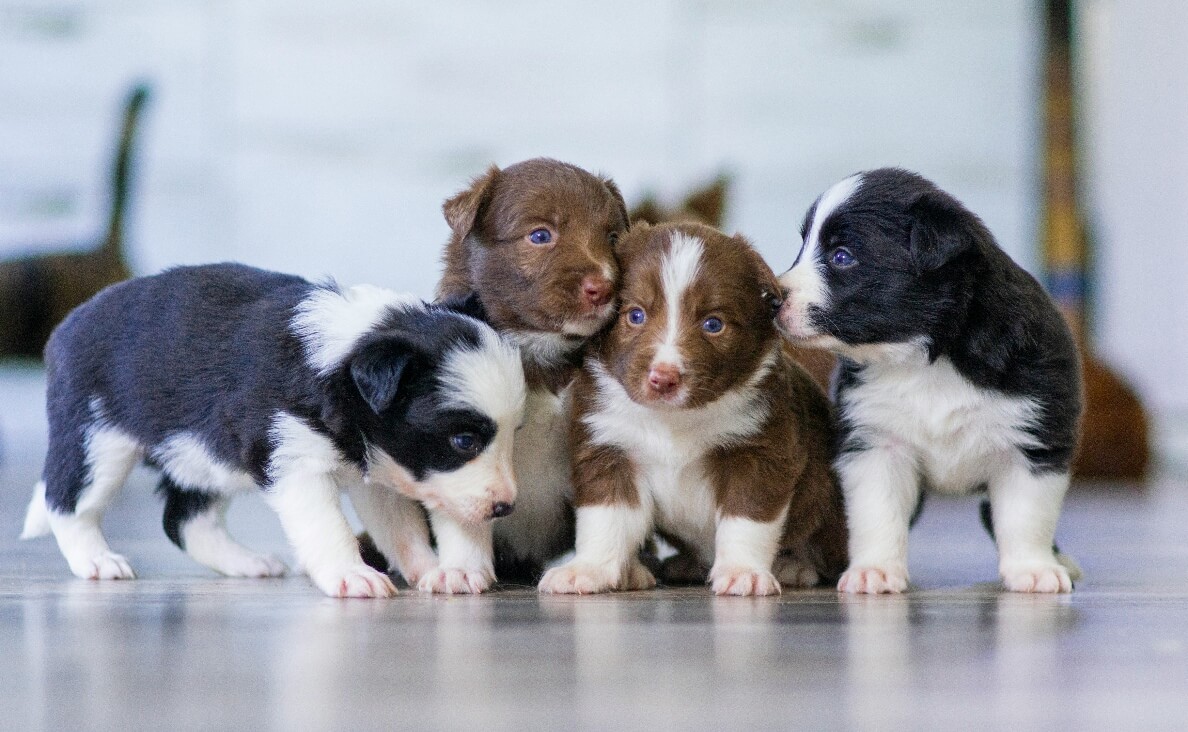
(534, 242)
(690, 419)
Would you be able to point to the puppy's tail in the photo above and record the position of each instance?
(37, 517)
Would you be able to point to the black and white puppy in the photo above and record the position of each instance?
(227, 378)
(957, 374)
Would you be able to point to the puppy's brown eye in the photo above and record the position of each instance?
(540, 236)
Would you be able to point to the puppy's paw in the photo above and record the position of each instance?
(743, 581)
(356, 580)
(683, 569)
(873, 580)
(795, 572)
(579, 579)
(105, 566)
(456, 581)
(638, 578)
(1036, 576)
(413, 567)
(255, 566)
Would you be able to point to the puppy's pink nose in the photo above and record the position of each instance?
(664, 378)
(596, 290)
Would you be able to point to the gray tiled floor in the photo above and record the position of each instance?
(181, 648)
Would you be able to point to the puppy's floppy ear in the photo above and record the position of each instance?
(616, 194)
(378, 368)
(708, 203)
(462, 211)
(770, 290)
(631, 243)
(942, 229)
(468, 304)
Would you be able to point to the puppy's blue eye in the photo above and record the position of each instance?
(842, 258)
(712, 325)
(464, 442)
(636, 316)
(540, 236)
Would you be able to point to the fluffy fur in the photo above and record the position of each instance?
(531, 250)
(957, 374)
(691, 420)
(227, 378)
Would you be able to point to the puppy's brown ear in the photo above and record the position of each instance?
(462, 211)
(616, 194)
(942, 229)
(631, 243)
(770, 292)
(708, 204)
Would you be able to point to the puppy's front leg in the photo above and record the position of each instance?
(398, 527)
(466, 557)
(744, 550)
(607, 557)
(881, 488)
(1026, 508)
(310, 513)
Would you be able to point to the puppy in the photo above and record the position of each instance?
(227, 378)
(957, 374)
(534, 243)
(691, 419)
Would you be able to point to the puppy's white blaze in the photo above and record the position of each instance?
(297, 448)
(678, 269)
(187, 460)
(805, 281)
(330, 323)
(489, 378)
(744, 542)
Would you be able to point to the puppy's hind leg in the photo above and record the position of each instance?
(1026, 507)
(82, 478)
(195, 521)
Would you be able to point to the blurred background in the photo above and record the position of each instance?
(321, 138)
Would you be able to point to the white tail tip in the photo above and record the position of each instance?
(37, 517)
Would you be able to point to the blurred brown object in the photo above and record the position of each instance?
(1115, 430)
(707, 205)
(38, 291)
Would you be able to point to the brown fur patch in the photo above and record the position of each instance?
(528, 287)
(787, 463)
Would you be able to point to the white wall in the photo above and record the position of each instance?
(1135, 74)
(320, 137)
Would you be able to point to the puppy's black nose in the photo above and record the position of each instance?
(502, 509)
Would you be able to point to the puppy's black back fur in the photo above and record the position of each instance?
(955, 287)
(211, 351)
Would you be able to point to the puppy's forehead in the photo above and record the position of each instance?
(552, 191)
(833, 200)
(486, 375)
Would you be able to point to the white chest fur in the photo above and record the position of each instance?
(960, 435)
(667, 448)
(540, 459)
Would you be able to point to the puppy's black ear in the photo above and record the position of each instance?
(616, 194)
(378, 368)
(462, 211)
(468, 304)
(942, 229)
